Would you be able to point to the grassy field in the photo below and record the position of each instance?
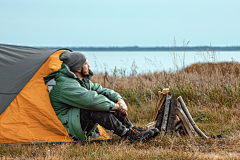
(211, 92)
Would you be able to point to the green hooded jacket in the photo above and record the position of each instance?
(70, 94)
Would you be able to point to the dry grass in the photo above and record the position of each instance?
(211, 92)
(227, 147)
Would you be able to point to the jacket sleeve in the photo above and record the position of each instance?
(110, 94)
(73, 94)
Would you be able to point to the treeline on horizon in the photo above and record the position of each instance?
(158, 48)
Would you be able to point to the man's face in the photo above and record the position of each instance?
(85, 69)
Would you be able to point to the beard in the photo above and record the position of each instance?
(84, 72)
(86, 75)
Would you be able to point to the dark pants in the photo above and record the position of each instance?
(109, 120)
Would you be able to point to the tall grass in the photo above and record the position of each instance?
(211, 92)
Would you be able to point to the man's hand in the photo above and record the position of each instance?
(123, 111)
(122, 104)
(122, 107)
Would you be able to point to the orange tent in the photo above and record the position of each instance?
(26, 114)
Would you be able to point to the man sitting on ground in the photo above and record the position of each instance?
(81, 105)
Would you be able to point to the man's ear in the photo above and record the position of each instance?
(79, 70)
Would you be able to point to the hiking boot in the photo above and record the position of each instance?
(155, 130)
(140, 135)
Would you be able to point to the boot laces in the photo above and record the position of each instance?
(134, 131)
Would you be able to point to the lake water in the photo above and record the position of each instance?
(141, 62)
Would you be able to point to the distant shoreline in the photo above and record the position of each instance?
(164, 49)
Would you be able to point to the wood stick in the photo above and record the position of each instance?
(159, 118)
(165, 115)
(185, 126)
(161, 98)
(172, 115)
(177, 119)
(184, 130)
(190, 118)
(178, 126)
(189, 128)
(150, 125)
(178, 133)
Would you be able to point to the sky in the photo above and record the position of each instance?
(120, 22)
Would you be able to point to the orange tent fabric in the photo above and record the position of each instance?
(103, 134)
(30, 116)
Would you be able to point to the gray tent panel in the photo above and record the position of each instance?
(18, 64)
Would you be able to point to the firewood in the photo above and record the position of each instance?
(178, 126)
(190, 118)
(165, 115)
(161, 99)
(184, 129)
(177, 119)
(178, 134)
(159, 118)
(187, 125)
(172, 115)
(150, 125)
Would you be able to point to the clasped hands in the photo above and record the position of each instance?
(122, 107)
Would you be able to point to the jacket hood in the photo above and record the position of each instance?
(66, 71)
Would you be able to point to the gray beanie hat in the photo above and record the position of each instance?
(74, 60)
